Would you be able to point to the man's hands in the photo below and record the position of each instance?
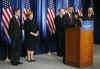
(35, 34)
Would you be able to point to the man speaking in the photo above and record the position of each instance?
(15, 33)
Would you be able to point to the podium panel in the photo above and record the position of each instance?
(86, 43)
(79, 45)
(72, 46)
(86, 48)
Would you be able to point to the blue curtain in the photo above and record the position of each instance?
(38, 17)
(76, 5)
(59, 4)
(44, 11)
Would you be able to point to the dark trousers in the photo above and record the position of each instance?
(60, 43)
(15, 51)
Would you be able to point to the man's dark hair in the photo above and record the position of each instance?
(70, 6)
(15, 10)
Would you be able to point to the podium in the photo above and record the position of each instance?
(79, 45)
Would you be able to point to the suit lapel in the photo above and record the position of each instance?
(16, 21)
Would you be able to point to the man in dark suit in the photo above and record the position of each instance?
(15, 33)
(68, 21)
(59, 33)
(68, 18)
(89, 15)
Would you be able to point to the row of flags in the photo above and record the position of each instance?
(7, 15)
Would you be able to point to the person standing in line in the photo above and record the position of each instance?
(31, 35)
(15, 33)
(59, 33)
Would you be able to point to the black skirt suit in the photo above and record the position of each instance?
(30, 40)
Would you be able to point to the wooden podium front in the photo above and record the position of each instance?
(78, 47)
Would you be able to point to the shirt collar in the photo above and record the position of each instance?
(16, 17)
(89, 14)
(69, 14)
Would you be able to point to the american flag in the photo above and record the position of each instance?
(6, 16)
(26, 7)
(80, 12)
(50, 17)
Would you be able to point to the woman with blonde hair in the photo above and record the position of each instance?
(31, 35)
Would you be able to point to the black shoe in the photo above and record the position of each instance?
(29, 61)
(64, 61)
(19, 63)
(14, 63)
(59, 55)
(33, 60)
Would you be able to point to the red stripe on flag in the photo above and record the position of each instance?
(4, 25)
(5, 16)
(5, 31)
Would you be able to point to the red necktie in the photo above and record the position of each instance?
(70, 17)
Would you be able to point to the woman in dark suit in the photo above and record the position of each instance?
(31, 35)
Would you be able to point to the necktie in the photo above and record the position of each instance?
(70, 17)
(18, 21)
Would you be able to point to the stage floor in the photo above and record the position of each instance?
(51, 62)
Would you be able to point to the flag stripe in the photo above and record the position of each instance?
(53, 15)
(4, 22)
(9, 12)
(5, 31)
(5, 25)
(51, 18)
(49, 24)
(48, 27)
(6, 15)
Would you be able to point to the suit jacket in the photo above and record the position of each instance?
(30, 26)
(66, 21)
(59, 23)
(87, 18)
(15, 30)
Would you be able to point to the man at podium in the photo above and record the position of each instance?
(68, 21)
(79, 41)
(68, 18)
(89, 15)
